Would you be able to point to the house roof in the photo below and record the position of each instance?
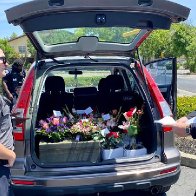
(17, 38)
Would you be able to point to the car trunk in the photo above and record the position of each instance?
(76, 96)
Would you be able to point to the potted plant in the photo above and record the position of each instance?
(112, 146)
(131, 128)
(60, 139)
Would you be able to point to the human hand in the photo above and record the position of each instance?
(179, 127)
(10, 97)
(11, 160)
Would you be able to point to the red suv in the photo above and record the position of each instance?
(81, 92)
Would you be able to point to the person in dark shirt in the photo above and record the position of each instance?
(14, 80)
(182, 128)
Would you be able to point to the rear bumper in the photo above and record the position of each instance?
(108, 182)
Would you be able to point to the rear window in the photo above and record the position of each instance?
(121, 35)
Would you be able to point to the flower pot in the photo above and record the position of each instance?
(135, 152)
(112, 153)
(69, 151)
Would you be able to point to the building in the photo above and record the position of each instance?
(19, 44)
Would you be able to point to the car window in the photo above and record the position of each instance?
(161, 71)
(81, 77)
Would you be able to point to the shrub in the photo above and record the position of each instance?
(185, 105)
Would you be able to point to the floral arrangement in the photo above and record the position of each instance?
(104, 128)
(131, 128)
(54, 129)
(84, 129)
(112, 140)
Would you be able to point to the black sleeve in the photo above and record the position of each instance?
(6, 78)
(193, 130)
(191, 115)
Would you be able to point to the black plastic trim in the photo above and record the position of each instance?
(89, 19)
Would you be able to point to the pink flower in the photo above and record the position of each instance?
(64, 119)
(55, 121)
(41, 122)
(45, 125)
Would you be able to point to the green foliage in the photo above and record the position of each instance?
(179, 41)
(31, 49)
(158, 44)
(83, 81)
(14, 35)
(185, 105)
(8, 50)
(191, 51)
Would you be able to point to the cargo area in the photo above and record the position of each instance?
(92, 114)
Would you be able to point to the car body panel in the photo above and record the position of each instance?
(164, 72)
(36, 8)
(161, 164)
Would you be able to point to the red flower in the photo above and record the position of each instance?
(114, 134)
(131, 112)
(125, 131)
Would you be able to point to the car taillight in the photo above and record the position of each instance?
(173, 169)
(23, 182)
(23, 103)
(163, 106)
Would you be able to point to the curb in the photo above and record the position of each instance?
(182, 93)
(188, 160)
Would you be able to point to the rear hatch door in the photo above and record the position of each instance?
(78, 24)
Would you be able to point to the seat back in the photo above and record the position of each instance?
(52, 98)
(54, 84)
(85, 97)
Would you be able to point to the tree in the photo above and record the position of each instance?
(8, 50)
(191, 52)
(158, 44)
(179, 41)
(31, 49)
(14, 35)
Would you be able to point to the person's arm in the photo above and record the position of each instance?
(179, 127)
(6, 154)
(183, 129)
(5, 87)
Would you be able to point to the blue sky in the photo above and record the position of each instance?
(6, 29)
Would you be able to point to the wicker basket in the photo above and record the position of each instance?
(69, 151)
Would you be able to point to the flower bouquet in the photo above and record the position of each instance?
(54, 129)
(112, 146)
(67, 139)
(131, 128)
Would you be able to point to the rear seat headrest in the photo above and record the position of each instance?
(115, 82)
(103, 85)
(55, 84)
(85, 91)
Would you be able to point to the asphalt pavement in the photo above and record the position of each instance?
(186, 185)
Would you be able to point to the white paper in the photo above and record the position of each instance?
(104, 132)
(57, 113)
(106, 117)
(168, 120)
(192, 120)
(88, 110)
(80, 112)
